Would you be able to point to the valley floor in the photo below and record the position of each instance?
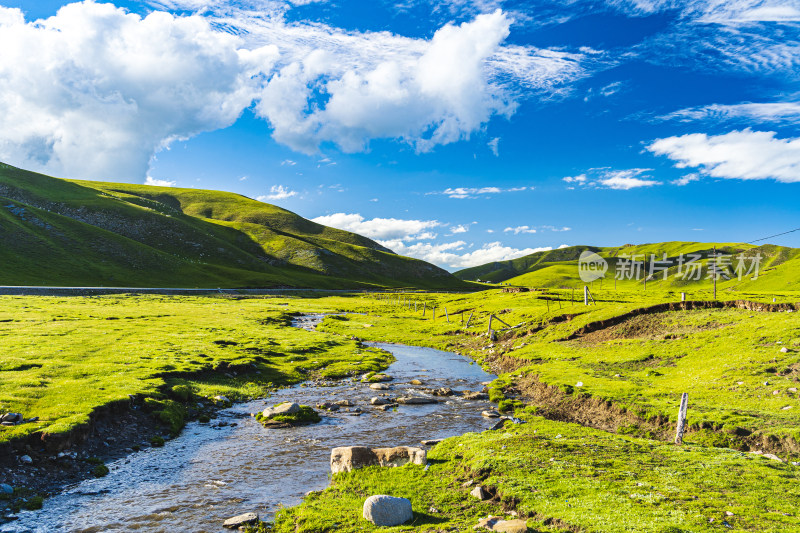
(598, 387)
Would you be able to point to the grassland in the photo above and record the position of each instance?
(565, 477)
(64, 358)
(740, 368)
(56, 232)
(613, 368)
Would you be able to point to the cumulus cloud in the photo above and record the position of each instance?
(439, 97)
(454, 255)
(277, 192)
(745, 154)
(158, 183)
(605, 178)
(95, 92)
(520, 229)
(108, 89)
(624, 180)
(474, 192)
(394, 229)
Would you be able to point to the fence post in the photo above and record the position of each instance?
(585, 295)
(469, 319)
(433, 310)
(682, 418)
(446, 315)
(683, 296)
(489, 331)
(424, 308)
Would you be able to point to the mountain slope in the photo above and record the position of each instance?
(83, 233)
(779, 267)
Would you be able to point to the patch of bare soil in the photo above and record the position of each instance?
(665, 325)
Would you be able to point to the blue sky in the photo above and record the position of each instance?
(459, 132)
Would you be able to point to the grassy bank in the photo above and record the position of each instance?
(63, 358)
(564, 477)
(741, 368)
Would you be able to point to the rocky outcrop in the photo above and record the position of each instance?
(348, 458)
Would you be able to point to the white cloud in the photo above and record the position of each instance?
(277, 192)
(554, 228)
(288, 163)
(576, 179)
(445, 254)
(520, 229)
(781, 112)
(438, 97)
(461, 228)
(494, 146)
(621, 180)
(95, 92)
(473, 192)
(686, 180)
(745, 154)
(159, 183)
(394, 229)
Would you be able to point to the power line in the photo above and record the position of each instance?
(777, 235)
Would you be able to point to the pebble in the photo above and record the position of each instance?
(6, 489)
(490, 414)
(379, 386)
(431, 442)
(26, 460)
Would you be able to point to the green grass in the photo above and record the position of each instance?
(306, 415)
(720, 357)
(564, 475)
(83, 233)
(63, 358)
(779, 268)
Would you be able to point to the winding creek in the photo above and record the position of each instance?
(234, 465)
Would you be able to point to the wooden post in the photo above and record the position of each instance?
(489, 331)
(572, 298)
(682, 418)
(462, 316)
(424, 307)
(415, 306)
(715, 273)
(585, 295)
(548, 305)
(469, 319)
(433, 310)
(683, 296)
(446, 315)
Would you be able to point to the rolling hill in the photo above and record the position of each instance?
(779, 267)
(81, 233)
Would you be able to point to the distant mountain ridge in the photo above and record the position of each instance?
(778, 267)
(82, 233)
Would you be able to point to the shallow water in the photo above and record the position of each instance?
(212, 472)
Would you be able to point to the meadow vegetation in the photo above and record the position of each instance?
(616, 367)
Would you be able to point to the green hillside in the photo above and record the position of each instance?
(82, 233)
(778, 267)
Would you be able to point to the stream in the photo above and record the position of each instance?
(234, 465)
